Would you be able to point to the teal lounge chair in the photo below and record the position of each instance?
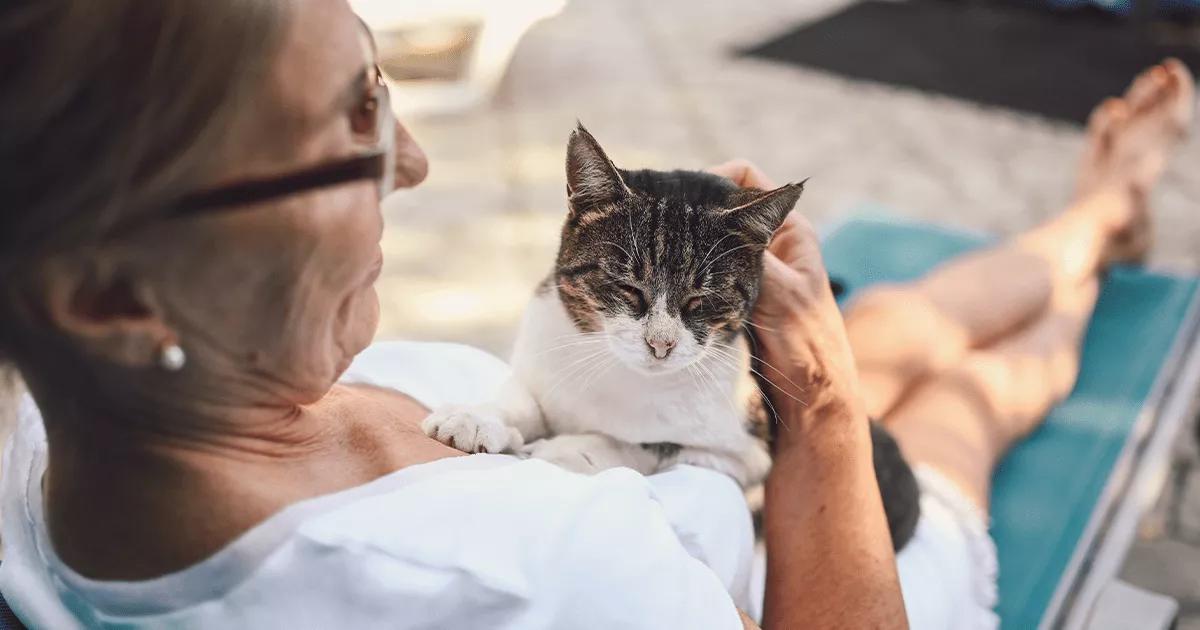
(1066, 502)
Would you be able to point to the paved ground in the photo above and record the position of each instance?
(657, 84)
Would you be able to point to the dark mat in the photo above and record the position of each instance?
(1052, 64)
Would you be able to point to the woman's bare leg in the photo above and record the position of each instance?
(902, 334)
(962, 418)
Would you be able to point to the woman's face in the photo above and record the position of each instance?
(276, 298)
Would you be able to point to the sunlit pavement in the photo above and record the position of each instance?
(659, 85)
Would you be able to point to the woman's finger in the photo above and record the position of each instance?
(743, 173)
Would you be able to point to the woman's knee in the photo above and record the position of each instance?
(1013, 391)
(898, 326)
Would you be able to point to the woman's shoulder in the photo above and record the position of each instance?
(434, 373)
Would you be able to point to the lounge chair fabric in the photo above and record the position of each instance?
(1046, 490)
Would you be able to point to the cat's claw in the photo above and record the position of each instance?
(472, 430)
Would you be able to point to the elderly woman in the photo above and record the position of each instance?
(187, 250)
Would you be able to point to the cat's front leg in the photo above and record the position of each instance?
(591, 453)
(473, 429)
(748, 466)
(504, 425)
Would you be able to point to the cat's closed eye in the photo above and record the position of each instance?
(693, 304)
(634, 296)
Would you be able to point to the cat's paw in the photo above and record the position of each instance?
(591, 453)
(472, 429)
(567, 456)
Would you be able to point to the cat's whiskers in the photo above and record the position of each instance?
(572, 379)
(579, 336)
(716, 384)
(717, 344)
(710, 251)
(692, 372)
(633, 241)
(575, 368)
(759, 326)
(774, 413)
(703, 384)
(597, 373)
(763, 395)
(724, 300)
(570, 344)
(623, 250)
(716, 347)
(724, 254)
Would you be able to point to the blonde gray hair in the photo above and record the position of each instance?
(111, 111)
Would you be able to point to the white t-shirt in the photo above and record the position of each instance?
(482, 541)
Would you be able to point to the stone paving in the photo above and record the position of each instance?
(660, 85)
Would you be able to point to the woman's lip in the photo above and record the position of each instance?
(376, 269)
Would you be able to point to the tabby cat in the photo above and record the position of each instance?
(635, 351)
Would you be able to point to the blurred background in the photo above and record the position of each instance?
(969, 114)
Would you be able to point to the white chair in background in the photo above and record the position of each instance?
(449, 55)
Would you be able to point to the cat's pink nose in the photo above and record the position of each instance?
(661, 348)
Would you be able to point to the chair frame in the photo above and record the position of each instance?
(1133, 486)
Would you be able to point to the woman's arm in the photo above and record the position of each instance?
(829, 556)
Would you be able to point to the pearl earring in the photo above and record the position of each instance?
(171, 357)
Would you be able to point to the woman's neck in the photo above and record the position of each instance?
(160, 496)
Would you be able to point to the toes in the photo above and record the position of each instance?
(1181, 75)
(1105, 118)
(1146, 90)
(515, 439)
(456, 430)
(467, 431)
(1183, 89)
(491, 438)
(431, 423)
(1168, 84)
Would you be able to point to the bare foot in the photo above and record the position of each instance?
(1129, 142)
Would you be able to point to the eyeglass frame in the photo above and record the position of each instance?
(378, 164)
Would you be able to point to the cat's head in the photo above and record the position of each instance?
(665, 266)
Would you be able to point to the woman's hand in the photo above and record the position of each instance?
(822, 486)
(804, 348)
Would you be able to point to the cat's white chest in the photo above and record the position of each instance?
(582, 388)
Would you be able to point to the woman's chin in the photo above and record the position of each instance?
(359, 329)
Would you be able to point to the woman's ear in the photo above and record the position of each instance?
(107, 314)
(592, 179)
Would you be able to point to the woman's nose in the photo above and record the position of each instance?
(411, 165)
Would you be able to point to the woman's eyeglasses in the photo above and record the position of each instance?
(377, 164)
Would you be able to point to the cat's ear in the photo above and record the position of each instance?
(592, 179)
(761, 213)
